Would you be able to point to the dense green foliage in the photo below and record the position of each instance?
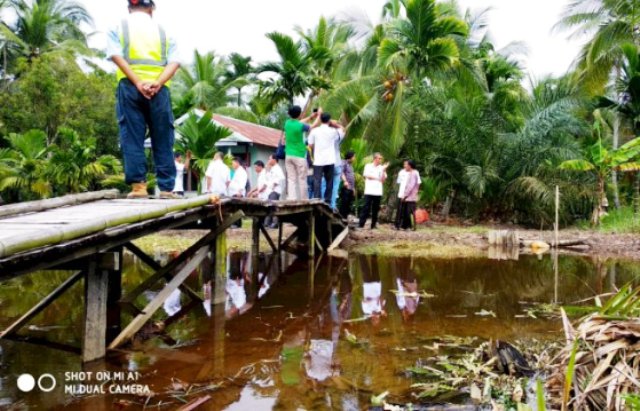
(425, 82)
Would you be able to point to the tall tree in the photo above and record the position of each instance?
(329, 42)
(43, 26)
(292, 75)
(240, 72)
(204, 84)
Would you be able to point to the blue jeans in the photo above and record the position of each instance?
(337, 177)
(135, 115)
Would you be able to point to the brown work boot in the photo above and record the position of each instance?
(168, 195)
(138, 191)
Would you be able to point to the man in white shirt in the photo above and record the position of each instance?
(261, 191)
(237, 187)
(322, 141)
(375, 175)
(218, 176)
(182, 166)
(275, 187)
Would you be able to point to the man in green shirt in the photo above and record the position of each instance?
(296, 153)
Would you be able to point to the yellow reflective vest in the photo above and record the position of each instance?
(145, 50)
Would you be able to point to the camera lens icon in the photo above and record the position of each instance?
(27, 382)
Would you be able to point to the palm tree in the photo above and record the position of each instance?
(23, 166)
(607, 24)
(292, 73)
(43, 26)
(331, 40)
(601, 162)
(199, 136)
(423, 41)
(204, 84)
(74, 166)
(240, 73)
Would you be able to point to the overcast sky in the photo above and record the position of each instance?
(240, 25)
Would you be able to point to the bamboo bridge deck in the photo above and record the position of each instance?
(87, 234)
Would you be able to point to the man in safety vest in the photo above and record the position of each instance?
(146, 61)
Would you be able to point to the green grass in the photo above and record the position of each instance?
(620, 221)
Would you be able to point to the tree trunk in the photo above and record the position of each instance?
(310, 100)
(448, 204)
(239, 96)
(636, 197)
(614, 174)
(597, 208)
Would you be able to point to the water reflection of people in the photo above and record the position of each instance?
(172, 304)
(407, 297)
(320, 360)
(372, 302)
(236, 302)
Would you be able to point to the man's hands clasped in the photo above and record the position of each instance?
(149, 89)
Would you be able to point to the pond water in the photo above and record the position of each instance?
(326, 335)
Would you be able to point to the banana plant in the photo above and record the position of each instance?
(601, 162)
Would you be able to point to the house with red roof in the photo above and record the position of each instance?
(250, 142)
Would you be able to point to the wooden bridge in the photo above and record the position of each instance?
(88, 233)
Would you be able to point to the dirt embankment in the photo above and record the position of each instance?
(596, 244)
(432, 241)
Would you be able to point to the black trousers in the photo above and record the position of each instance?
(318, 173)
(408, 211)
(371, 208)
(272, 220)
(346, 201)
(399, 211)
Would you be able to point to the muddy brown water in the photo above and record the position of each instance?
(298, 336)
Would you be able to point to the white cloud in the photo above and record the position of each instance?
(240, 25)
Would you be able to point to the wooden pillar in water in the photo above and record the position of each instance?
(255, 258)
(96, 294)
(114, 294)
(280, 234)
(312, 237)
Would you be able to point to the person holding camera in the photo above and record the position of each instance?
(296, 153)
(323, 141)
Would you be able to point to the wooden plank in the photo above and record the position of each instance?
(266, 235)
(290, 239)
(155, 266)
(42, 342)
(157, 302)
(65, 232)
(94, 337)
(280, 230)
(339, 239)
(41, 205)
(182, 258)
(44, 303)
(43, 258)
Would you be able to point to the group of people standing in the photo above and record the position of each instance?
(314, 169)
(320, 152)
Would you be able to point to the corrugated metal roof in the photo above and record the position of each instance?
(257, 134)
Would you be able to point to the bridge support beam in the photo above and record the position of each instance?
(312, 236)
(96, 292)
